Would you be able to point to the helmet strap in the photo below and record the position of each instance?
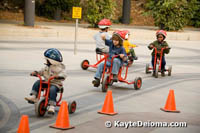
(105, 29)
(48, 63)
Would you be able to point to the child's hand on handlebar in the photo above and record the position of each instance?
(151, 46)
(34, 73)
(59, 77)
(123, 57)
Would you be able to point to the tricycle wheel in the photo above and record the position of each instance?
(84, 64)
(40, 108)
(72, 107)
(105, 83)
(156, 71)
(138, 83)
(169, 70)
(147, 69)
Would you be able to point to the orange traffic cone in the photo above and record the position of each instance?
(108, 107)
(62, 121)
(23, 126)
(170, 105)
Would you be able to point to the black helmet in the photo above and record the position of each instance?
(53, 55)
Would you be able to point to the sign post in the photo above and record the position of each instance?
(76, 13)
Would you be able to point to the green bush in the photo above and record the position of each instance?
(171, 14)
(11, 5)
(195, 21)
(99, 9)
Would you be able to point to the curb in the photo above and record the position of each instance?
(62, 30)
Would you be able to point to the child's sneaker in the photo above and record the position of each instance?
(96, 82)
(154, 73)
(135, 58)
(130, 58)
(163, 73)
(31, 99)
(115, 77)
(51, 110)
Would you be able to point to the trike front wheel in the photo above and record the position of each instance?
(40, 108)
(105, 83)
(156, 71)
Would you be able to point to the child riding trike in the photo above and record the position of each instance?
(157, 63)
(107, 76)
(44, 91)
(101, 49)
(42, 104)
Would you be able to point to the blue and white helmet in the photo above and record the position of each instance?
(53, 55)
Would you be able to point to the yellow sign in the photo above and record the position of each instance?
(76, 13)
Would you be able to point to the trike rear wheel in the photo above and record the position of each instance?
(138, 83)
(147, 69)
(72, 107)
(169, 70)
(84, 64)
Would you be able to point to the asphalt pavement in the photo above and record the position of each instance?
(21, 54)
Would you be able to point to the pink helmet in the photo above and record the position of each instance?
(104, 23)
(161, 32)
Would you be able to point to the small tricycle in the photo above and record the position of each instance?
(107, 76)
(100, 57)
(157, 64)
(43, 95)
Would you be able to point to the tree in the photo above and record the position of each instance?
(48, 7)
(195, 21)
(171, 14)
(99, 9)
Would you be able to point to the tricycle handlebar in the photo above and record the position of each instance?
(51, 78)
